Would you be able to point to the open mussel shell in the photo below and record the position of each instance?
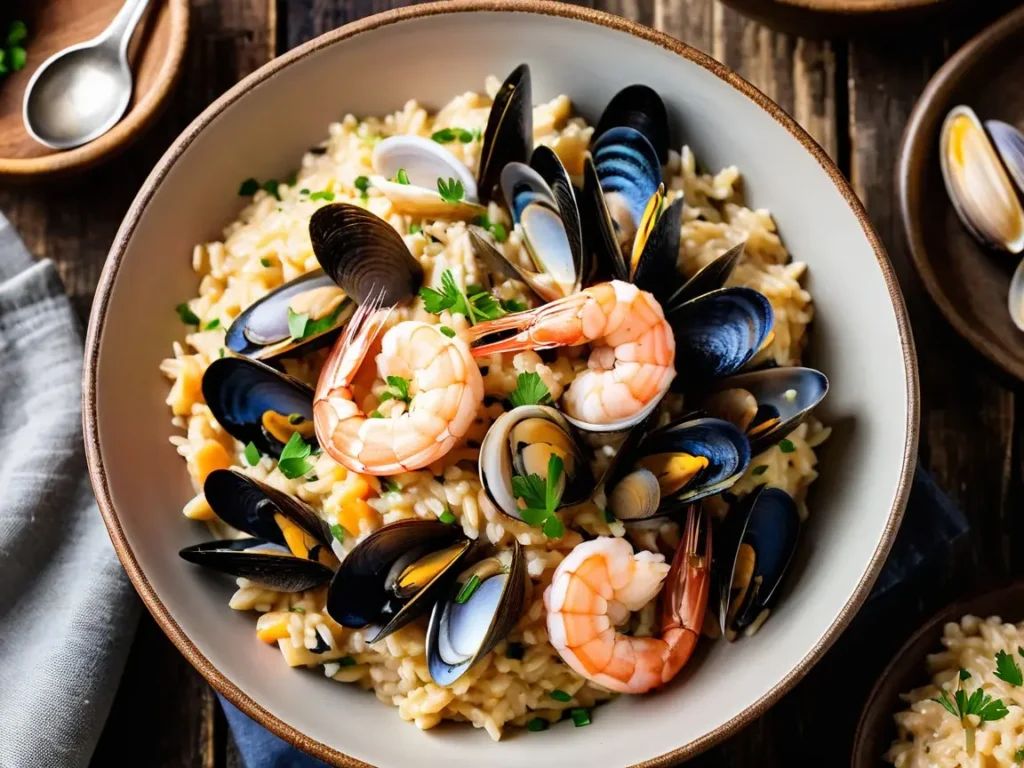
(520, 443)
(768, 404)
(718, 333)
(393, 575)
(673, 465)
(364, 254)
(258, 404)
(641, 108)
(710, 277)
(655, 261)
(630, 173)
(977, 182)
(478, 612)
(759, 538)
(256, 508)
(262, 331)
(508, 137)
(268, 564)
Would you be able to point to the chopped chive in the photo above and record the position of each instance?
(347, 661)
(447, 331)
(325, 194)
(515, 651)
(188, 317)
(265, 262)
(212, 324)
(760, 469)
(559, 695)
(252, 454)
(537, 724)
(786, 446)
(295, 418)
(580, 717)
(220, 352)
(446, 516)
(468, 589)
(402, 177)
(338, 532)
(297, 609)
(248, 188)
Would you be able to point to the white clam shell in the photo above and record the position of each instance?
(425, 161)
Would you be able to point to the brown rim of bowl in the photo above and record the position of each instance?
(544, 8)
(140, 116)
(912, 156)
(859, 6)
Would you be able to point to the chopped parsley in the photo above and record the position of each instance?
(215, 323)
(220, 352)
(324, 194)
(188, 317)
(448, 135)
(294, 458)
(271, 187)
(446, 516)
(979, 704)
(496, 229)
(475, 304)
(447, 331)
(580, 717)
(398, 389)
(376, 415)
(300, 326)
(530, 390)
(390, 486)
(1007, 669)
(451, 191)
(362, 183)
(542, 498)
(471, 586)
(265, 262)
(338, 533)
(537, 724)
(401, 177)
(1018, 756)
(347, 661)
(512, 305)
(786, 446)
(515, 651)
(759, 470)
(252, 455)
(249, 188)
(303, 191)
(415, 229)
(559, 695)
(297, 609)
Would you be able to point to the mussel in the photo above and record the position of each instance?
(767, 404)
(641, 108)
(543, 204)
(709, 278)
(520, 443)
(508, 137)
(478, 611)
(394, 575)
(974, 167)
(265, 329)
(685, 461)
(258, 404)
(291, 548)
(758, 540)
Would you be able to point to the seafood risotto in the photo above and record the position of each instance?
(972, 711)
(433, 405)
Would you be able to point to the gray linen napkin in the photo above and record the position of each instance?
(67, 609)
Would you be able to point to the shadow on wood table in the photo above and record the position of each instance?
(854, 98)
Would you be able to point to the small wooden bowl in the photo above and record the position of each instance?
(876, 728)
(968, 282)
(156, 53)
(841, 18)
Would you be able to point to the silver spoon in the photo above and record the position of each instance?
(80, 93)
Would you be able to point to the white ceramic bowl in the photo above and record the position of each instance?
(861, 339)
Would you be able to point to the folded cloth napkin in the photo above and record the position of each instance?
(67, 609)
(62, 584)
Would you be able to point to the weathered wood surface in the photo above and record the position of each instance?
(854, 98)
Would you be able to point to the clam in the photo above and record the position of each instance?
(479, 610)
(364, 254)
(974, 168)
(263, 330)
(718, 333)
(680, 463)
(258, 404)
(543, 204)
(424, 163)
(394, 575)
(291, 548)
(768, 404)
(508, 137)
(520, 443)
(759, 538)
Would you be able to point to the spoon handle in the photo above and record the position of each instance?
(123, 26)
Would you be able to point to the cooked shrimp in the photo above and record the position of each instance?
(601, 581)
(632, 356)
(445, 391)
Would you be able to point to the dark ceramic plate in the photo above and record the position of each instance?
(968, 282)
(876, 729)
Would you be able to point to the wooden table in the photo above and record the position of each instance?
(854, 98)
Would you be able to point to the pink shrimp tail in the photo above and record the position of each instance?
(685, 597)
(555, 324)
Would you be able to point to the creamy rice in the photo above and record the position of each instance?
(932, 737)
(269, 244)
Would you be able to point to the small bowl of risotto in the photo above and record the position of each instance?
(488, 411)
(954, 693)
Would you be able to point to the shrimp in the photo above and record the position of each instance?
(632, 358)
(601, 581)
(445, 390)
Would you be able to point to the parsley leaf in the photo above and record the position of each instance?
(300, 326)
(16, 32)
(542, 498)
(270, 186)
(215, 323)
(448, 331)
(512, 305)
(478, 305)
(249, 188)
(297, 323)
(448, 135)
(338, 532)
(390, 486)
(553, 528)
(786, 446)
(415, 229)
(1018, 756)
(252, 455)
(18, 57)
(978, 703)
(452, 191)
(485, 306)
(188, 317)
(530, 390)
(436, 302)
(530, 489)
(265, 262)
(446, 516)
(1007, 669)
(362, 183)
(293, 462)
(559, 695)
(402, 177)
(325, 194)
(398, 390)
(760, 469)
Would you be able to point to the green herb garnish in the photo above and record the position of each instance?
(376, 415)
(760, 469)
(297, 609)
(537, 724)
(542, 498)
(448, 135)
(450, 333)
(978, 703)
(338, 533)
(294, 458)
(362, 183)
(446, 516)
(271, 187)
(530, 390)
(390, 486)
(249, 188)
(265, 262)
(786, 446)
(608, 516)
(512, 305)
(215, 323)
(477, 306)
(324, 194)
(347, 661)
(252, 455)
(468, 589)
(499, 232)
(301, 327)
(220, 352)
(402, 177)
(1018, 756)
(559, 695)
(451, 191)
(303, 191)
(1007, 669)
(16, 32)
(398, 389)
(415, 229)
(580, 717)
(188, 317)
